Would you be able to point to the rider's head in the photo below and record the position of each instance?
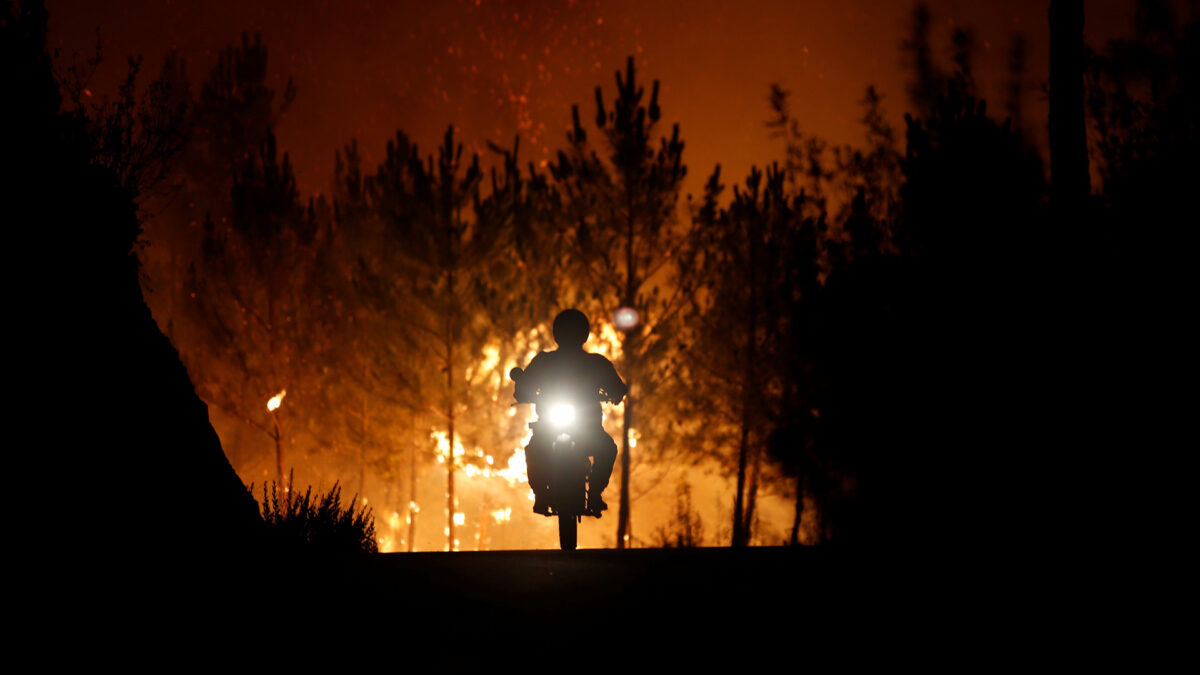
(571, 328)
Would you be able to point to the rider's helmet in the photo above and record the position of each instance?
(571, 328)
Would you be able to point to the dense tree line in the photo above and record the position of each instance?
(882, 332)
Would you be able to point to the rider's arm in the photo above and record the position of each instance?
(611, 382)
(526, 387)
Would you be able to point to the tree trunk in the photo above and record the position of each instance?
(278, 452)
(739, 500)
(275, 378)
(362, 446)
(752, 497)
(628, 349)
(412, 498)
(741, 519)
(799, 514)
(450, 427)
(1069, 180)
(623, 533)
(481, 527)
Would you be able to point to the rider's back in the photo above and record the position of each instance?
(575, 376)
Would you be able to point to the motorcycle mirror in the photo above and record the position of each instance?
(515, 374)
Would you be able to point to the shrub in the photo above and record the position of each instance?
(318, 523)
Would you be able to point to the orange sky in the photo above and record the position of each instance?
(495, 68)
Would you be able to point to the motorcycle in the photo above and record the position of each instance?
(568, 465)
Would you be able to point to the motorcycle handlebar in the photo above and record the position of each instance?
(600, 398)
(517, 373)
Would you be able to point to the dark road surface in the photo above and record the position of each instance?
(682, 610)
(557, 584)
(707, 598)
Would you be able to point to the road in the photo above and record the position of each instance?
(703, 599)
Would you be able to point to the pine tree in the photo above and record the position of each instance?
(424, 206)
(227, 121)
(622, 211)
(373, 390)
(756, 258)
(256, 299)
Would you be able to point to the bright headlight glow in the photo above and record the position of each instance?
(562, 414)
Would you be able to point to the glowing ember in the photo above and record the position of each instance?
(273, 403)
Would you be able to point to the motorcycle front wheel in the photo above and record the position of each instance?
(568, 531)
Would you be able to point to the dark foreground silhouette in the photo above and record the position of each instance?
(131, 486)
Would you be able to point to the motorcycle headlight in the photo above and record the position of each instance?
(562, 414)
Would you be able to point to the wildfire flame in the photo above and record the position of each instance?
(604, 340)
(273, 404)
(501, 476)
(516, 472)
(443, 445)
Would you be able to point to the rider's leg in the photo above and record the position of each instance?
(536, 462)
(604, 457)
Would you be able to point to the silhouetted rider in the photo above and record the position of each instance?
(585, 379)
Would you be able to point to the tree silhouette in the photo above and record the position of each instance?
(739, 330)
(686, 528)
(926, 79)
(1128, 268)
(235, 111)
(423, 204)
(256, 295)
(395, 274)
(374, 389)
(969, 236)
(622, 211)
(1015, 87)
(226, 125)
